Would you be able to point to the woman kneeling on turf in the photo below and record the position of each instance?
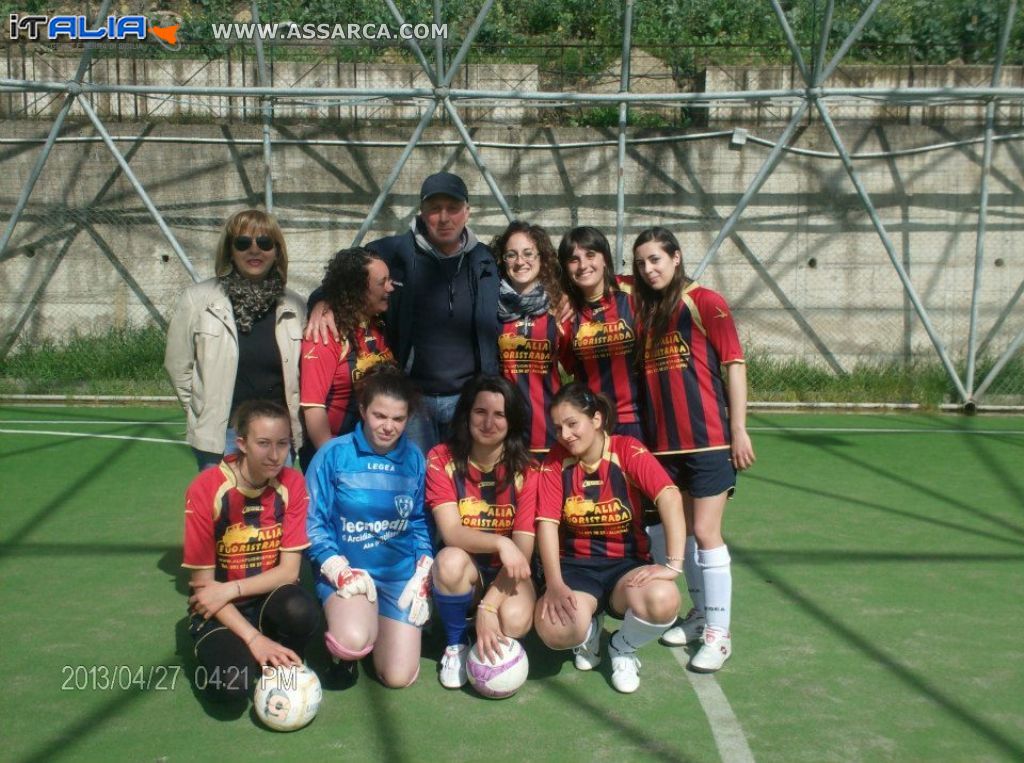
(370, 547)
(245, 529)
(592, 542)
(482, 488)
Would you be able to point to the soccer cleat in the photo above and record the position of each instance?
(453, 666)
(625, 669)
(343, 674)
(588, 654)
(714, 651)
(690, 628)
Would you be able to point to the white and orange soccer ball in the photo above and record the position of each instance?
(287, 698)
(499, 679)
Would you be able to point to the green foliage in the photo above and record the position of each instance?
(122, 361)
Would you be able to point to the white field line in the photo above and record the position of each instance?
(725, 726)
(95, 436)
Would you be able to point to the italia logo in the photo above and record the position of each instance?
(163, 28)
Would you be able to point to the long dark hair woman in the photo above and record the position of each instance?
(600, 338)
(696, 423)
(481, 486)
(236, 336)
(356, 287)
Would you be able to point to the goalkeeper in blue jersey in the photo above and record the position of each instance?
(369, 541)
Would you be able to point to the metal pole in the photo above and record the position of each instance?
(755, 185)
(851, 38)
(153, 211)
(986, 167)
(417, 51)
(798, 57)
(127, 277)
(478, 22)
(1005, 358)
(890, 249)
(438, 44)
(267, 108)
(389, 182)
(826, 30)
(620, 191)
(1003, 315)
(480, 163)
(72, 89)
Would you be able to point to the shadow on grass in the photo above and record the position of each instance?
(961, 714)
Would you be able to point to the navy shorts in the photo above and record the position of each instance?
(598, 578)
(702, 475)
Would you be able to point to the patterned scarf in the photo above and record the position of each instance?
(251, 300)
(513, 306)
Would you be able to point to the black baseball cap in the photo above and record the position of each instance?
(446, 183)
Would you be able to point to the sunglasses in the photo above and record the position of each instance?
(242, 243)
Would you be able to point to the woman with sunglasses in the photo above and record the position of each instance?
(528, 345)
(236, 336)
(356, 287)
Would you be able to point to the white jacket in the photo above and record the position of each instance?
(202, 360)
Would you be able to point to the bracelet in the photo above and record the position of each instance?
(255, 636)
(487, 608)
(674, 569)
(239, 587)
(674, 558)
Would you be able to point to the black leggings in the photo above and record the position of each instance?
(289, 615)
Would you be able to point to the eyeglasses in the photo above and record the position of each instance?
(526, 256)
(242, 243)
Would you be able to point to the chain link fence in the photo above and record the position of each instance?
(820, 304)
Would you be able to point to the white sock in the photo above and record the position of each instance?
(694, 574)
(657, 535)
(590, 633)
(635, 632)
(717, 587)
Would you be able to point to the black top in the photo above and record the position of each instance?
(259, 375)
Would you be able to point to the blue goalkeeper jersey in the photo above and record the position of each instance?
(368, 507)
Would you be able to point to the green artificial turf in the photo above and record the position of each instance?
(876, 613)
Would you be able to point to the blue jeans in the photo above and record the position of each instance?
(432, 421)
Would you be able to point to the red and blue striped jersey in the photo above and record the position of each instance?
(240, 533)
(599, 508)
(599, 350)
(328, 373)
(483, 502)
(528, 353)
(685, 407)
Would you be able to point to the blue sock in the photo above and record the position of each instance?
(452, 609)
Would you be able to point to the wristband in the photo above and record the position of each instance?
(487, 608)
(252, 638)
(674, 569)
(238, 586)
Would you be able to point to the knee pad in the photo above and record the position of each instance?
(714, 557)
(336, 648)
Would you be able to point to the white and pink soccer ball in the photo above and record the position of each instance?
(502, 678)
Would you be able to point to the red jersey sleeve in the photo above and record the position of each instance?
(640, 466)
(200, 549)
(714, 315)
(526, 502)
(440, 485)
(293, 530)
(550, 498)
(316, 370)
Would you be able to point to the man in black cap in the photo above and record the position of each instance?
(442, 318)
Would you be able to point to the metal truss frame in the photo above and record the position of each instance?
(442, 97)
